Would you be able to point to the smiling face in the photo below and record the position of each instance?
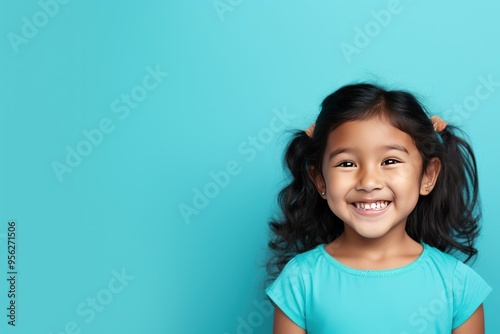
(372, 177)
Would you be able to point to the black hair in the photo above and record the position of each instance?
(447, 218)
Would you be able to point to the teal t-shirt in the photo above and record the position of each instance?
(434, 294)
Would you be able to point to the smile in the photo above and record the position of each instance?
(377, 205)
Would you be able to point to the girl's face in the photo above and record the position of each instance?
(372, 177)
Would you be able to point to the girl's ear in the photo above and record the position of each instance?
(318, 180)
(430, 176)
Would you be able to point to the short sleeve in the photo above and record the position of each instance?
(469, 292)
(287, 292)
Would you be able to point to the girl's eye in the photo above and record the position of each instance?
(346, 164)
(389, 162)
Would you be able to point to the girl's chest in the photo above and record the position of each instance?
(379, 305)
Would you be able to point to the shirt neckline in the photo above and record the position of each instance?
(375, 272)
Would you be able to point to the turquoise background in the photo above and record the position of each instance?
(233, 66)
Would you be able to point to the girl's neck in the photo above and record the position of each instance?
(374, 254)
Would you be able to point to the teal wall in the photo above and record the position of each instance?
(141, 144)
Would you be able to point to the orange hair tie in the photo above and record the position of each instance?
(438, 123)
(310, 130)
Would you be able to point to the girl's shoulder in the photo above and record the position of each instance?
(465, 283)
(439, 255)
(304, 262)
(441, 259)
(311, 256)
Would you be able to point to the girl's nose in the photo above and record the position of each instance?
(369, 180)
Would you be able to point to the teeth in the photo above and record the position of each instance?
(378, 205)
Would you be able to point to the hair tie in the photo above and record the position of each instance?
(310, 130)
(438, 123)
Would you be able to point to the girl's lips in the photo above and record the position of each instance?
(372, 205)
(371, 208)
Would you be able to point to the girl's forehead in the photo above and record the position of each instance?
(373, 133)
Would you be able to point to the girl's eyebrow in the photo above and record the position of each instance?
(395, 147)
(340, 150)
(382, 148)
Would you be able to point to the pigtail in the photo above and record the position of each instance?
(306, 219)
(448, 217)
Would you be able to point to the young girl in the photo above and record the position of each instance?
(380, 196)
